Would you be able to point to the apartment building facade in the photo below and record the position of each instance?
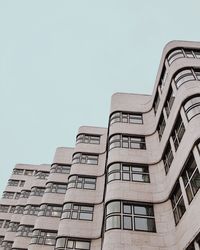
(133, 185)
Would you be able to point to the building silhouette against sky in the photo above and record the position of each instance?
(133, 185)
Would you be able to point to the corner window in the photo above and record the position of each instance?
(85, 159)
(127, 141)
(53, 187)
(63, 243)
(61, 169)
(88, 138)
(128, 172)
(130, 216)
(31, 210)
(37, 191)
(124, 117)
(76, 211)
(44, 237)
(192, 107)
(50, 210)
(81, 182)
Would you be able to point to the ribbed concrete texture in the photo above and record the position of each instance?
(133, 185)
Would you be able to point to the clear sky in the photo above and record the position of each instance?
(61, 60)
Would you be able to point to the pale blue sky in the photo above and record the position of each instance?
(61, 60)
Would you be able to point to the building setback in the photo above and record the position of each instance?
(133, 185)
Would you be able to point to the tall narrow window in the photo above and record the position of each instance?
(178, 204)
(178, 132)
(156, 102)
(168, 157)
(191, 178)
(169, 101)
(161, 126)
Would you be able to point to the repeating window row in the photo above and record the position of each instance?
(81, 182)
(82, 158)
(30, 210)
(42, 175)
(61, 169)
(37, 191)
(127, 141)
(63, 243)
(77, 211)
(128, 172)
(130, 216)
(125, 117)
(88, 138)
(18, 171)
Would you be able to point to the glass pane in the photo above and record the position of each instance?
(195, 182)
(113, 207)
(85, 216)
(145, 224)
(126, 176)
(143, 210)
(127, 209)
(113, 222)
(82, 245)
(60, 242)
(140, 177)
(127, 222)
(115, 166)
(189, 194)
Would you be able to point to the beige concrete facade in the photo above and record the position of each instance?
(133, 185)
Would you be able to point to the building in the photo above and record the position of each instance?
(133, 185)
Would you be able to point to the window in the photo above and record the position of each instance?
(185, 75)
(50, 210)
(126, 141)
(196, 242)
(163, 78)
(169, 101)
(85, 159)
(178, 132)
(4, 223)
(161, 126)
(14, 183)
(191, 178)
(42, 175)
(87, 138)
(31, 210)
(156, 102)
(42, 237)
(192, 107)
(19, 210)
(178, 205)
(8, 195)
(1, 239)
(24, 231)
(53, 187)
(175, 54)
(63, 243)
(130, 216)
(61, 169)
(12, 209)
(7, 245)
(4, 208)
(76, 211)
(124, 117)
(17, 171)
(25, 193)
(168, 157)
(17, 196)
(29, 172)
(76, 181)
(128, 172)
(37, 191)
(13, 226)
